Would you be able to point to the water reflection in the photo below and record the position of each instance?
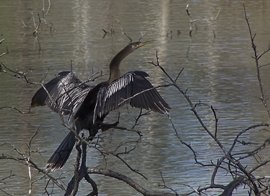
(218, 70)
(82, 36)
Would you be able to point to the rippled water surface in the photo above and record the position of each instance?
(218, 70)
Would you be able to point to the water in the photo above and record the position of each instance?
(218, 70)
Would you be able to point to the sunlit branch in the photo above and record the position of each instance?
(23, 160)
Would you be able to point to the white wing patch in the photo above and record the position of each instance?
(119, 84)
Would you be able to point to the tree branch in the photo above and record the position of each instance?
(129, 181)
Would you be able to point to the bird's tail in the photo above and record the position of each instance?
(61, 154)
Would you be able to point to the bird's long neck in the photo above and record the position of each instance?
(115, 63)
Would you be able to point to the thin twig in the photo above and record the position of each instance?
(257, 63)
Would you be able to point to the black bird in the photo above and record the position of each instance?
(88, 107)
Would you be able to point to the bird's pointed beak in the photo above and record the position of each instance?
(145, 43)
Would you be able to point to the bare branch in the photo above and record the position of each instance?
(165, 186)
(216, 120)
(257, 63)
(127, 180)
(130, 39)
(191, 104)
(33, 165)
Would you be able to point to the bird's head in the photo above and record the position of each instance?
(131, 47)
(135, 45)
(115, 62)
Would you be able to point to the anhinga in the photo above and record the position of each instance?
(88, 107)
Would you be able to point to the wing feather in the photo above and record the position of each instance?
(132, 88)
(62, 93)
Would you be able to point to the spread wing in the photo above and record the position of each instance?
(62, 93)
(132, 88)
